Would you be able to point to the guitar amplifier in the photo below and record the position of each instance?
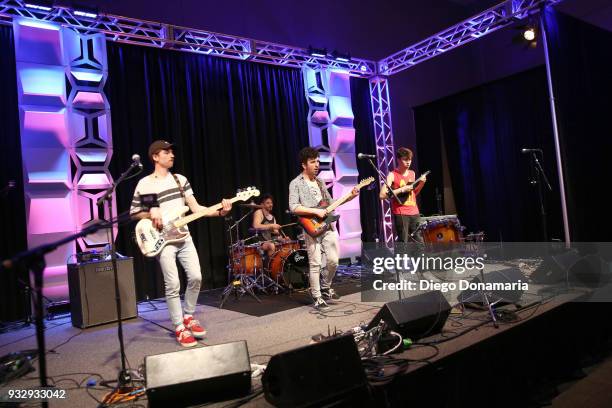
(92, 292)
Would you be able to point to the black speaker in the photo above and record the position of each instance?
(502, 296)
(415, 317)
(193, 376)
(92, 292)
(555, 268)
(317, 374)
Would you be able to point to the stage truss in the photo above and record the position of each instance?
(473, 28)
(154, 34)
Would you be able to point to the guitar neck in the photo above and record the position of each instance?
(411, 185)
(192, 217)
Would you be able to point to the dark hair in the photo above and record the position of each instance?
(404, 153)
(307, 153)
(264, 197)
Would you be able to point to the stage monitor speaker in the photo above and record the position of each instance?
(198, 375)
(328, 372)
(503, 276)
(92, 292)
(555, 268)
(415, 317)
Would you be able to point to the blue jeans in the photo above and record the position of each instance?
(187, 255)
(321, 275)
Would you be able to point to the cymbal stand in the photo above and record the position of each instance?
(239, 283)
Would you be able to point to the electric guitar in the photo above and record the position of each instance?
(151, 240)
(409, 187)
(315, 226)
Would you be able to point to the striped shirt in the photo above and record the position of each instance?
(168, 193)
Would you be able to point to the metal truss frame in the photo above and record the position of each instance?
(473, 28)
(153, 34)
(381, 113)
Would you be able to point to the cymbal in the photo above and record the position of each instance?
(251, 205)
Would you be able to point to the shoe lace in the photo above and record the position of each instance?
(183, 334)
(192, 323)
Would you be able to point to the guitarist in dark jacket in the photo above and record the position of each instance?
(306, 193)
(406, 215)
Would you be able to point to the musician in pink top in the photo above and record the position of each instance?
(406, 216)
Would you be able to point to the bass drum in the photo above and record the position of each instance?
(290, 268)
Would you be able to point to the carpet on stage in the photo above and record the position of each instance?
(272, 303)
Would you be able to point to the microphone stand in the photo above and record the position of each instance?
(34, 260)
(124, 376)
(540, 177)
(389, 190)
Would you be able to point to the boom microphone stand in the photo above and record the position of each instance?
(540, 177)
(34, 260)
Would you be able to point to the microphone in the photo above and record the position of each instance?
(362, 156)
(524, 151)
(136, 160)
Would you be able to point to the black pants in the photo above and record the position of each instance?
(405, 225)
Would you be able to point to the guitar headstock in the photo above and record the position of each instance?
(365, 182)
(245, 194)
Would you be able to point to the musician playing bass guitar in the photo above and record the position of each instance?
(174, 190)
(406, 215)
(306, 192)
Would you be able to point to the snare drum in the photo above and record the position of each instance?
(246, 259)
(444, 229)
(289, 265)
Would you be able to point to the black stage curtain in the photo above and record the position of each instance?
(483, 131)
(13, 226)
(235, 124)
(581, 62)
(365, 142)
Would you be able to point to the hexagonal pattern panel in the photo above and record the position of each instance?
(65, 138)
(330, 128)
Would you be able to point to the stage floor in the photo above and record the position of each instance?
(75, 356)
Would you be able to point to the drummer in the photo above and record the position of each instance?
(265, 224)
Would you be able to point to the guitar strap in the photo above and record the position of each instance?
(320, 184)
(178, 183)
(321, 187)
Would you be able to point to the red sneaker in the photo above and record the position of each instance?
(194, 325)
(185, 338)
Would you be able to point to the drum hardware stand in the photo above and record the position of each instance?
(262, 281)
(240, 283)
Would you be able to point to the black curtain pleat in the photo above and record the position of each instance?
(581, 62)
(235, 124)
(13, 238)
(365, 142)
(483, 131)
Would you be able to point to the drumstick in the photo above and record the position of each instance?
(286, 225)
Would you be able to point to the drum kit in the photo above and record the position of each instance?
(250, 270)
